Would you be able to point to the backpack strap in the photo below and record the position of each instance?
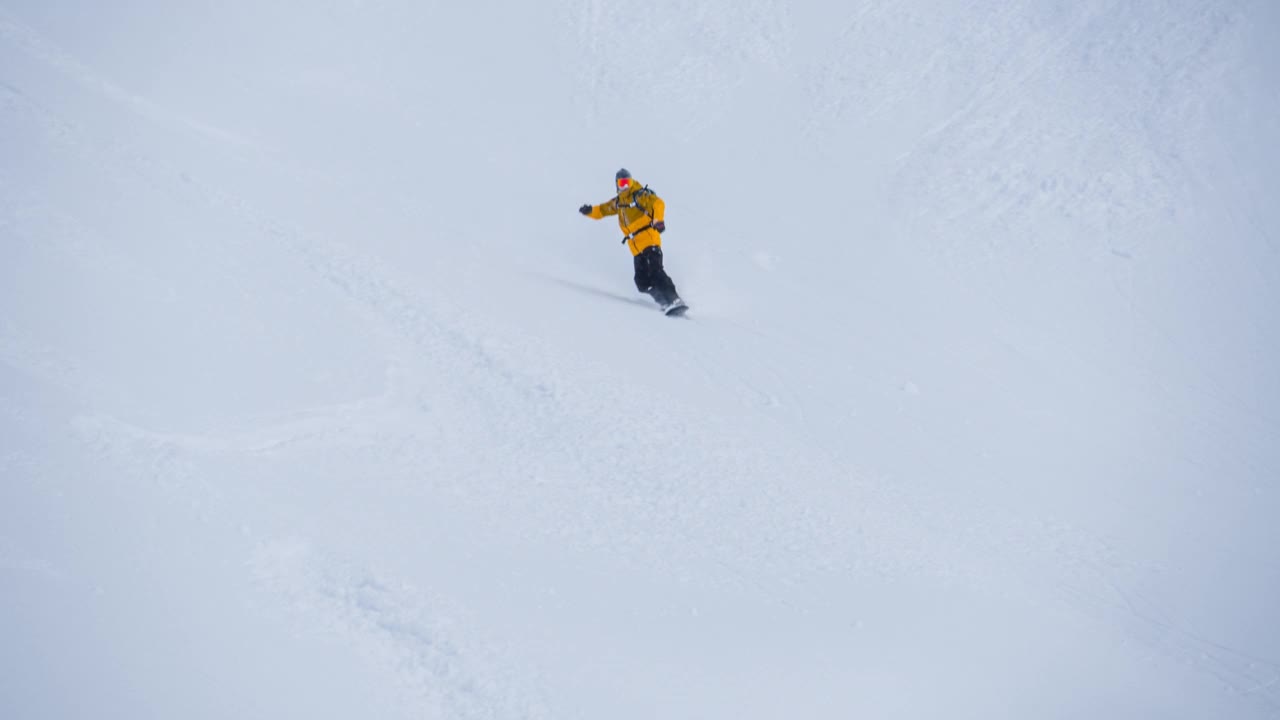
(635, 203)
(635, 198)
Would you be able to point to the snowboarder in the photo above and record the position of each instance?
(640, 213)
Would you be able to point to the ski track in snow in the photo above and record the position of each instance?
(29, 41)
(396, 628)
(438, 665)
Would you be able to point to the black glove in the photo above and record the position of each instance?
(660, 226)
(585, 209)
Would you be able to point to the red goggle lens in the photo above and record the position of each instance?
(624, 182)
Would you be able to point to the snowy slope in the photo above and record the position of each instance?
(318, 398)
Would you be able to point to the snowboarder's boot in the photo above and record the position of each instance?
(659, 296)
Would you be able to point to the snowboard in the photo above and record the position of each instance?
(676, 309)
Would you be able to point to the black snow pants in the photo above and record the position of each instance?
(652, 278)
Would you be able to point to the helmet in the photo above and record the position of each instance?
(622, 179)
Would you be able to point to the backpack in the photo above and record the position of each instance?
(635, 198)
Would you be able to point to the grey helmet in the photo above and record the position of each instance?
(619, 176)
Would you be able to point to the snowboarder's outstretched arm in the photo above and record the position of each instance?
(596, 212)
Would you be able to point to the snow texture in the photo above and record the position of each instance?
(319, 399)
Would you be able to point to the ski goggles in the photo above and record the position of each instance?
(624, 183)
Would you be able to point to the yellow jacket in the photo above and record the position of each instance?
(637, 208)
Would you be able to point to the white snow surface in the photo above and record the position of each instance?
(319, 399)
